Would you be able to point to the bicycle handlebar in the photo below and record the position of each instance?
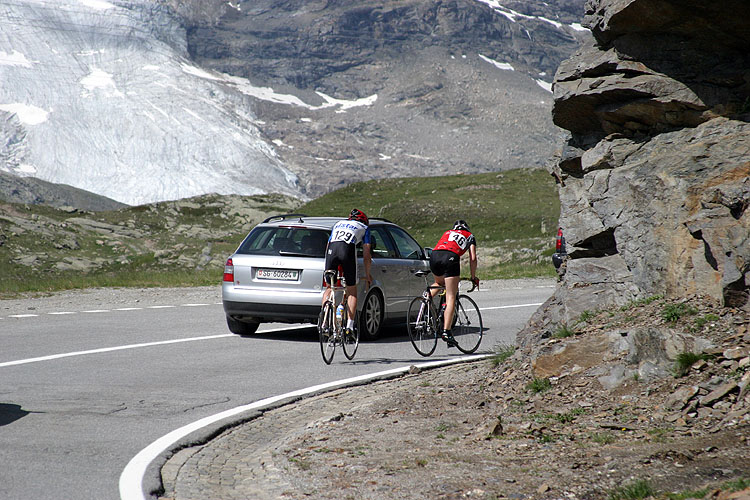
(474, 283)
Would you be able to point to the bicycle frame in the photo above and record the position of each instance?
(331, 329)
(425, 320)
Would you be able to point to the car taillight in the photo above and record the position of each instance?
(559, 244)
(229, 271)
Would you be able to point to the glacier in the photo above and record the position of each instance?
(102, 95)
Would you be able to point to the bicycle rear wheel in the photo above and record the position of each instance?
(350, 342)
(468, 326)
(422, 326)
(326, 331)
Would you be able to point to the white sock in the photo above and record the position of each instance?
(350, 324)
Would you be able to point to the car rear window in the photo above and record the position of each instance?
(285, 240)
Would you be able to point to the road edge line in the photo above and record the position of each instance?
(131, 483)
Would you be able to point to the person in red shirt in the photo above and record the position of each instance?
(445, 264)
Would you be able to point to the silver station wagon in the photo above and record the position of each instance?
(276, 274)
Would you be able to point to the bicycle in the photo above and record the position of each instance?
(425, 323)
(332, 321)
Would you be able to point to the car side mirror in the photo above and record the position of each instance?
(427, 252)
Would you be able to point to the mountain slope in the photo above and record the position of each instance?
(143, 101)
(102, 96)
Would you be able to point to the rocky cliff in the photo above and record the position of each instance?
(654, 179)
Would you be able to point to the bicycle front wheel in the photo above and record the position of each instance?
(350, 342)
(421, 322)
(326, 331)
(468, 325)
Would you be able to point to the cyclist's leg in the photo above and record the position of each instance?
(451, 290)
(351, 303)
(349, 269)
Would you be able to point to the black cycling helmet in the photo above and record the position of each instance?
(461, 225)
(360, 216)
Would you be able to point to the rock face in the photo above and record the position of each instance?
(655, 177)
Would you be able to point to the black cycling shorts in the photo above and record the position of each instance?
(445, 263)
(343, 254)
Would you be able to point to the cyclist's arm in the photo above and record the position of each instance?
(473, 262)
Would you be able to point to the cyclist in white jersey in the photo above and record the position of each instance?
(341, 251)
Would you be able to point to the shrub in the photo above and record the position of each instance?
(563, 331)
(673, 312)
(684, 361)
(502, 353)
(539, 385)
(633, 491)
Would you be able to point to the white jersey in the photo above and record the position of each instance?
(350, 231)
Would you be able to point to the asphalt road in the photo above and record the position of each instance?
(82, 391)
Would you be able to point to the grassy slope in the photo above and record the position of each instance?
(513, 214)
(185, 243)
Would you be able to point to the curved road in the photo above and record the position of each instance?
(84, 391)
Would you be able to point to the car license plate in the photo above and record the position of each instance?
(277, 274)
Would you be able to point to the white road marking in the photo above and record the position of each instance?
(60, 313)
(131, 479)
(510, 307)
(129, 346)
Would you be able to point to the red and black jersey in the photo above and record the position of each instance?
(456, 241)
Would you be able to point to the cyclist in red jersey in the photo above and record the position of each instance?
(445, 264)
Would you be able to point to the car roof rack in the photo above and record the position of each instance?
(281, 217)
(381, 219)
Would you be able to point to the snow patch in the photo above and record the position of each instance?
(99, 79)
(546, 86)
(27, 114)
(201, 73)
(268, 94)
(97, 4)
(579, 27)
(26, 169)
(499, 65)
(14, 58)
(513, 14)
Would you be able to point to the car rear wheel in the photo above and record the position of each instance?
(371, 318)
(242, 327)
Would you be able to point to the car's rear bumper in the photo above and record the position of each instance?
(266, 313)
(266, 306)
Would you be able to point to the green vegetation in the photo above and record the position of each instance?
(185, 242)
(502, 353)
(513, 214)
(633, 491)
(684, 361)
(702, 321)
(563, 331)
(673, 312)
(539, 385)
(603, 437)
(641, 302)
(176, 243)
